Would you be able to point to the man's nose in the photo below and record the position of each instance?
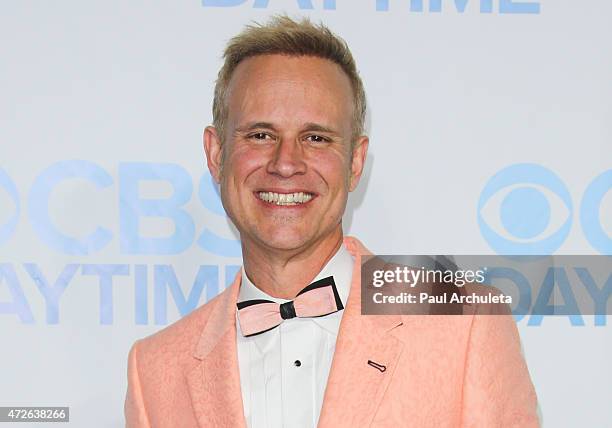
(288, 159)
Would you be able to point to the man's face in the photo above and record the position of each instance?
(287, 165)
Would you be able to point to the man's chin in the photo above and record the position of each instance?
(283, 240)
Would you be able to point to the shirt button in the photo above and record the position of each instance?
(297, 363)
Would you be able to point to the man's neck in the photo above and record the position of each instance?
(283, 274)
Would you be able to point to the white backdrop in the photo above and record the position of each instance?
(108, 220)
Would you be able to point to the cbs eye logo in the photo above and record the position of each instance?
(529, 211)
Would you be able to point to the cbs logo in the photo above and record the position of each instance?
(527, 195)
(131, 208)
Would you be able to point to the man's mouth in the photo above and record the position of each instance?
(285, 198)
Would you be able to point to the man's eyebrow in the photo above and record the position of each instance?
(307, 127)
(255, 125)
(315, 127)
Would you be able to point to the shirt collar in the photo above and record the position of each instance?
(340, 266)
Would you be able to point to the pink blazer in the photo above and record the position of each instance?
(441, 370)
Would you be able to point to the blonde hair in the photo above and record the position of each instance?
(282, 35)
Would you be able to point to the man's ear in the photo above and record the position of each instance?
(214, 152)
(360, 151)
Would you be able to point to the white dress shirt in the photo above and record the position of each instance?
(284, 371)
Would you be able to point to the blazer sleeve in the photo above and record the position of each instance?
(497, 389)
(135, 413)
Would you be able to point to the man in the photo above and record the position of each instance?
(286, 148)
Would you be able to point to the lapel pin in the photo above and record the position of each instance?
(377, 366)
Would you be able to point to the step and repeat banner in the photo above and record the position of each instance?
(490, 134)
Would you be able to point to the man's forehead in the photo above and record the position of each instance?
(280, 62)
(269, 84)
(257, 71)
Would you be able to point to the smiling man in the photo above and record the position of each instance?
(286, 344)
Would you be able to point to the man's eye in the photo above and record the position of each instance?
(259, 136)
(317, 139)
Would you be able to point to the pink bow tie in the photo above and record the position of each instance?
(318, 299)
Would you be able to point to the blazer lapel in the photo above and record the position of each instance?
(366, 355)
(214, 382)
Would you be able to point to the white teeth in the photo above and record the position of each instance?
(285, 198)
